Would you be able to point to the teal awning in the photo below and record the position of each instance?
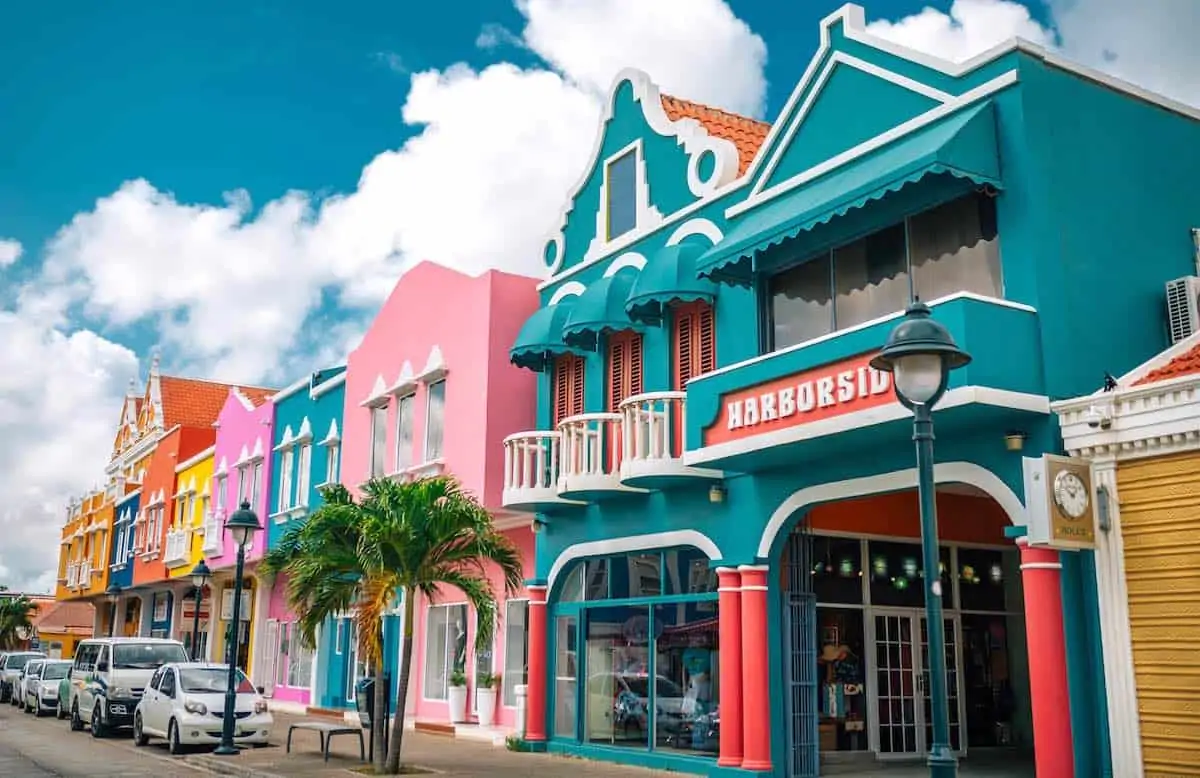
(540, 338)
(962, 145)
(669, 276)
(600, 309)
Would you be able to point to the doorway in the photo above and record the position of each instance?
(903, 720)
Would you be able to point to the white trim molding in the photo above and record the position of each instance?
(569, 289)
(652, 540)
(897, 480)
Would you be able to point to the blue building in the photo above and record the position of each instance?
(120, 561)
(307, 453)
(729, 546)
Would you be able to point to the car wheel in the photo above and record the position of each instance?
(139, 737)
(60, 713)
(173, 744)
(37, 708)
(27, 707)
(76, 722)
(97, 724)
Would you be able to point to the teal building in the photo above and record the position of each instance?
(728, 545)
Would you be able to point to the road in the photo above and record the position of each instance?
(46, 748)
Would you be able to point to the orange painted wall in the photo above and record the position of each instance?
(159, 475)
(961, 518)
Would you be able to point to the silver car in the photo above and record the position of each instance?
(10, 673)
(41, 685)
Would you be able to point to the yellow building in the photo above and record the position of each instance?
(1143, 439)
(185, 535)
(84, 548)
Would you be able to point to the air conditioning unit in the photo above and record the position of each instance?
(1183, 307)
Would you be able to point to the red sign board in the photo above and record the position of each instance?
(189, 608)
(814, 395)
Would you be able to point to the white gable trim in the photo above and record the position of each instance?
(195, 460)
(435, 367)
(242, 398)
(1155, 419)
(628, 259)
(647, 218)
(569, 289)
(378, 395)
(327, 386)
(692, 227)
(332, 438)
(654, 540)
(406, 381)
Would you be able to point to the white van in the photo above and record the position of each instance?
(109, 677)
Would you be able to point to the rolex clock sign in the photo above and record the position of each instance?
(1061, 502)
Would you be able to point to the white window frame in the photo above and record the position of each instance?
(474, 651)
(241, 487)
(332, 461)
(425, 649)
(338, 634)
(507, 682)
(296, 648)
(377, 469)
(256, 481)
(286, 458)
(222, 490)
(303, 475)
(428, 415)
(404, 459)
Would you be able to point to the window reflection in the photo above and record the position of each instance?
(897, 575)
(687, 662)
(565, 674)
(618, 697)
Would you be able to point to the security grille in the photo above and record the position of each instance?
(800, 650)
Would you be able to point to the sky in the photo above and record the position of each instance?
(237, 186)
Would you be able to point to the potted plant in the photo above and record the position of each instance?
(485, 697)
(458, 696)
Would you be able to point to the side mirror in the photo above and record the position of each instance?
(261, 689)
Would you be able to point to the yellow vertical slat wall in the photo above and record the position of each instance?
(1160, 525)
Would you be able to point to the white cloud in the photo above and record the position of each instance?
(1152, 45)
(236, 293)
(10, 252)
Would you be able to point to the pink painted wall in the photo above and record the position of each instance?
(238, 427)
(277, 609)
(437, 710)
(473, 321)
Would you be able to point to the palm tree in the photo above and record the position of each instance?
(16, 619)
(398, 538)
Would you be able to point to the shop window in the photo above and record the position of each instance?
(516, 649)
(990, 689)
(568, 387)
(687, 661)
(620, 181)
(636, 575)
(837, 570)
(566, 676)
(982, 579)
(299, 661)
(896, 575)
(617, 695)
(687, 571)
(948, 249)
(695, 342)
(281, 662)
(445, 648)
(588, 581)
(624, 367)
(841, 680)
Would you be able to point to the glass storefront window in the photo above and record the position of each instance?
(990, 693)
(837, 570)
(618, 690)
(635, 575)
(982, 579)
(841, 680)
(566, 673)
(686, 665)
(687, 571)
(897, 576)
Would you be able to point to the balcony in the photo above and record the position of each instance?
(652, 428)
(214, 532)
(531, 472)
(591, 456)
(178, 548)
(85, 575)
(72, 575)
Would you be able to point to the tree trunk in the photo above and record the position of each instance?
(393, 757)
(379, 718)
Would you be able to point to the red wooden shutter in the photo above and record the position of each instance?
(568, 387)
(624, 368)
(695, 342)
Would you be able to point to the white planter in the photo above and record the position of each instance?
(485, 699)
(458, 704)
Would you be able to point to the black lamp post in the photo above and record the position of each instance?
(200, 576)
(920, 353)
(113, 593)
(241, 525)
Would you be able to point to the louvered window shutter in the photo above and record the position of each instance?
(624, 368)
(695, 342)
(576, 404)
(568, 387)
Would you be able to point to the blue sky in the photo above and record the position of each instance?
(238, 185)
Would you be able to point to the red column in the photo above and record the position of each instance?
(535, 692)
(729, 604)
(1041, 572)
(756, 699)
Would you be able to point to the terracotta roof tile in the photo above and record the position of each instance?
(745, 133)
(1186, 363)
(61, 616)
(191, 402)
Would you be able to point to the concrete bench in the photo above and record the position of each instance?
(326, 731)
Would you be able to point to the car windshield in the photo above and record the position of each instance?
(211, 680)
(146, 656)
(34, 668)
(55, 672)
(18, 661)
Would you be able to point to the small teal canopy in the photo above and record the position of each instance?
(600, 309)
(962, 145)
(669, 276)
(540, 339)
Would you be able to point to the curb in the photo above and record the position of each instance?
(220, 766)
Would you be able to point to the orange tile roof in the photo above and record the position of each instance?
(191, 402)
(1186, 363)
(63, 616)
(745, 133)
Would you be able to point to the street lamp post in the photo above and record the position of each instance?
(241, 525)
(113, 594)
(920, 353)
(200, 576)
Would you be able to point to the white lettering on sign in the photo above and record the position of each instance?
(807, 396)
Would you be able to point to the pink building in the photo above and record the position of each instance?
(242, 471)
(430, 390)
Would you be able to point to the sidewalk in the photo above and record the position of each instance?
(439, 754)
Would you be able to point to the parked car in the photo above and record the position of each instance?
(31, 671)
(63, 708)
(185, 703)
(41, 690)
(14, 663)
(109, 676)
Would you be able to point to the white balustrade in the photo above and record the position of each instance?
(176, 553)
(653, 427)
(531, 469)
(591, 455)
(214, 532)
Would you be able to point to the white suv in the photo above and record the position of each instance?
(109, 676)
